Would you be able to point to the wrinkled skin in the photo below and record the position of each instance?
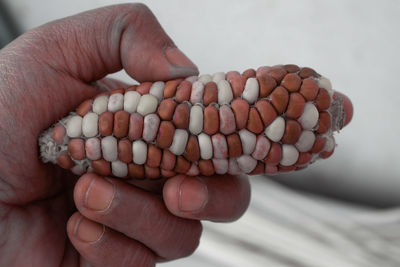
(46, 73)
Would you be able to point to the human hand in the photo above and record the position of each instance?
(43, 75)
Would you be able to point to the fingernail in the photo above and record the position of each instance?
(181, 65)
(88, 231)
(193, 195)
(99, 194)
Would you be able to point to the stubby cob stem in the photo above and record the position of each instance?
(275, 119)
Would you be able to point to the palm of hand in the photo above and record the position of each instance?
(36, 199)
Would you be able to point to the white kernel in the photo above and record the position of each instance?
(119, 169)
(262, 148)
(205, 78)
(218, 76)
(306, 141)
(225, 94)
(78, 170)
(248, 140)
(116, 102)
(74, 126)
(90, 124)
(310, 116)
(193, 170)
(192, 79)
(246, 163)
(109, 148)
(276, 129)
(329, 144)
(233, 168)
(179, 142)
(196, 119)
(197, 92)
(289, 155)
(220, 166)
(139, 151)
(100, 104)
(251, 89)
(147, 104)
(151, 123)
(206, 151)
(93, 148)
(131, 101)
(157, 90)
(324, 82)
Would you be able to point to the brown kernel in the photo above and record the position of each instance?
(136, 171)
(292, 132)
(291, 68)
(125, 150)
(254, 123)
(144, 88)
(237, 84)
(277, 73)
(182, 165)
(323, 100)
(183, 91)
(267, 111)
(151, 173)
(267, 84)
(165, 134)
(234, 145)
(106, 122)
(170, 88)
(309, 89)
(280, 98)
(324, 122)
(76, 148)
(131, 88)
(259, 169)
(241, 110)
(291, 82)
(181, 116)
(101, 167)
(153, 156)
(117, 91)
(206, 167)
(308, 72)
(65, 161)
(168, 160)
(249, 73)
(121, 123)
(296, 106)
(84, 107)
(319, 144)
(274, 155)
(211, 120)
(58, 133)
(192, 151)
(136, 122)
(166, 109)
(210, 93)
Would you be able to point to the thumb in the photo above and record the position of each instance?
(92, 44)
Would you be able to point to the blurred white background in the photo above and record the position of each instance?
(355, 43)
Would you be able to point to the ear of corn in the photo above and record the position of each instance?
(269, 120)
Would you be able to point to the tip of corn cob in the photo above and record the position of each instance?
(269, 120)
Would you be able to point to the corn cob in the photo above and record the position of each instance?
(275, 119)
